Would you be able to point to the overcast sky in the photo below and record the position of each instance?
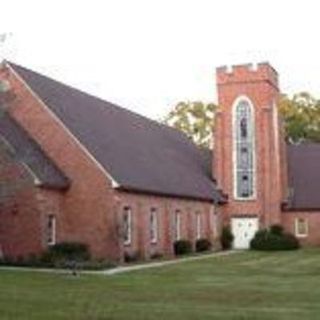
(147, 55)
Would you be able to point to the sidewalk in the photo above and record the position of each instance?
(123, 269)
(165, 263)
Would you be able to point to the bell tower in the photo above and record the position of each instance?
(247, 153)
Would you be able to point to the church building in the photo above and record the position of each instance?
(125, 185)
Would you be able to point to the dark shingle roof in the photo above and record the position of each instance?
(304, 176)
(28, 152)
(140, 154)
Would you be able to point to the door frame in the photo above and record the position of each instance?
(243, 217)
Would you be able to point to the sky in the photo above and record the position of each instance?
(147, 55)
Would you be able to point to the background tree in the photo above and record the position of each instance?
(195, 119)
(301, 115)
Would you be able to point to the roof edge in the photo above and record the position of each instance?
(113, 181)
(129, 189)
(300, 209)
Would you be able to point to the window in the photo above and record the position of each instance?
(51, 230)
(215, 221)
(198, 225)
(301, 227)
(244, 167)
(127, 225)
(177, 224)
(153, 225)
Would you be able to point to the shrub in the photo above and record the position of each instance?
(276, 229)
(33, 260)
(130, 257)
(30, 260)
(292, 243)
(226, 238)
(203, 245)
(6, 261)
(182, 247)
(45, 261)
(156, 255)
(66, 252)
(274, 239)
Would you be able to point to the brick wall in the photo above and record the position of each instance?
(15, 211)
(313, 221)
(166, 208)
(19, 226)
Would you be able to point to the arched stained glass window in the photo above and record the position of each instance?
(244, 150)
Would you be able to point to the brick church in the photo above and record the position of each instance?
(102, 175)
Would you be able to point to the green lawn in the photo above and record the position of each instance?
(247, 285)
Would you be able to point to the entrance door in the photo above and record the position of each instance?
(243, 230)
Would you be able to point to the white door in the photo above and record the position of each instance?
(243, 230)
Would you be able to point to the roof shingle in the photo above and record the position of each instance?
(304, 176)
(140, 154)
(28, 152)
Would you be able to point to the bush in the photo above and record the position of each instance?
(226, 238)
(182, 247)
(130, 257)
(76, 258)
(30, 260)
(156, 255)
(8, 261)
(276, 229)
(203, 245)
(274, 239)
(66, 252)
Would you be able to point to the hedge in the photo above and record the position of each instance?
(203, 245)
(274, 239)
(226, 238)
(182, 247)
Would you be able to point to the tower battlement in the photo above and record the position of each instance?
(246, 73)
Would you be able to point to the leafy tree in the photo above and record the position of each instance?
(301, 118)
(195, 119)
(301, 115)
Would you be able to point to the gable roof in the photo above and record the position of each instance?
(140, 154)
(304, 176)
(28, 152)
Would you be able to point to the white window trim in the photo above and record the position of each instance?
(154, 226)
(234, 149)
(301, 235)
(214, 220)
(53, 231)
(198, 225)
(128, 211)
(177, 218)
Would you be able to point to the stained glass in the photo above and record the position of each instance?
(244, 141)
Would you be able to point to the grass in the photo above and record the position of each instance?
(250, 285)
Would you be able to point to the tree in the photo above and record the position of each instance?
(301, 115)
(195, 119)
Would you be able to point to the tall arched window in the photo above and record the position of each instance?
(244, 166)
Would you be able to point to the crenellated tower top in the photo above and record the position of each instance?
(246, 73)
